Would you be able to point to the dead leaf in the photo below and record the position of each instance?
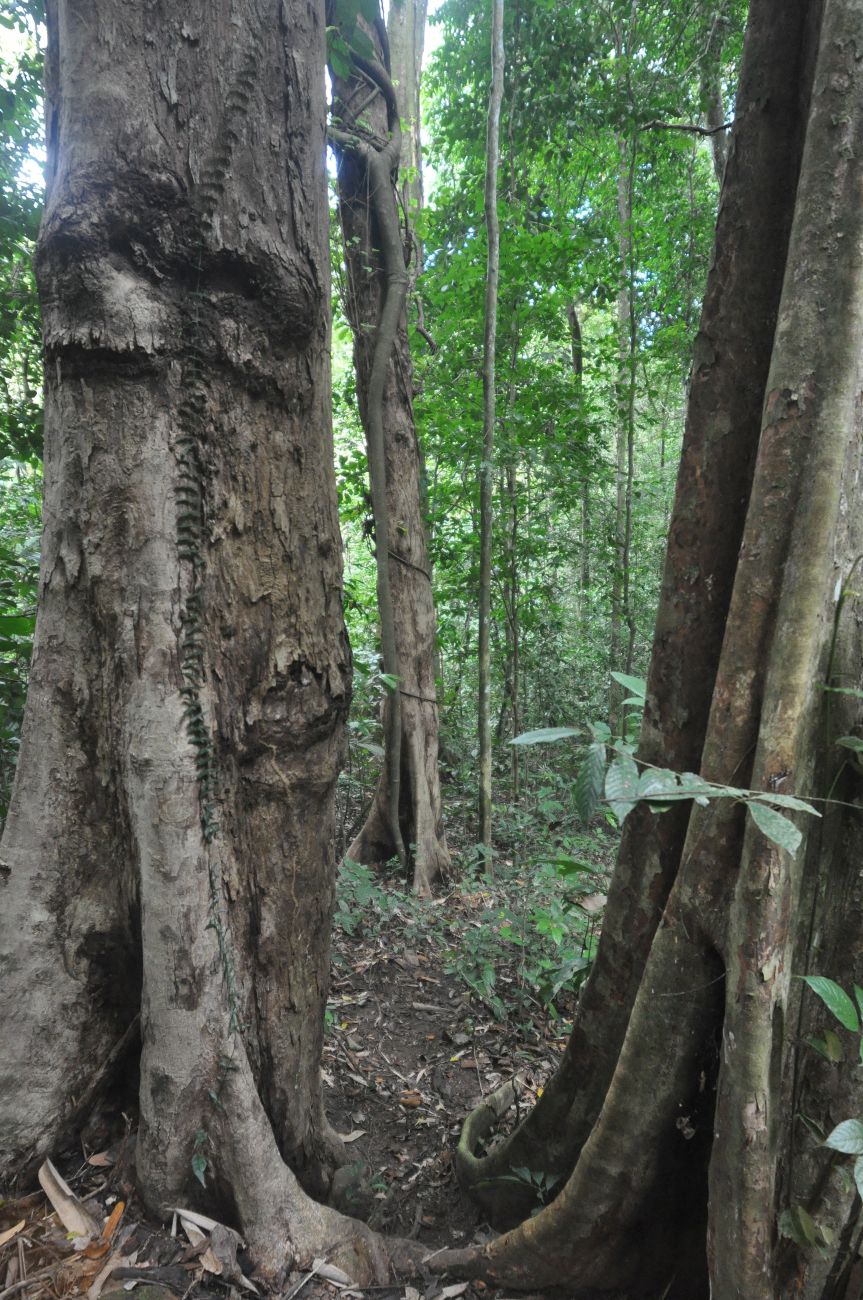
(411, 1293)
(331, 1273)
(353, 1137)
(592, 904)
(101, 1160)
(193, 1232)
(11, 1232)
(69, 1210)
(117, 1260)
(204, 1222)
(97, 1249)
(458, 1288)
(210, 1263)
(410, 1099)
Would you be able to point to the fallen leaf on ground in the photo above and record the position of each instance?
(592, 904)
(410, 1099)
(11, 1232)
(69, 1210)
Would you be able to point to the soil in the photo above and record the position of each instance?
(410, 1050)
(410, 1054)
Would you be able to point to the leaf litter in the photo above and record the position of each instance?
(410, 1049)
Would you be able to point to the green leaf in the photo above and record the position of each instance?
(847, 1137)
(775, 826)
(696, 788)
(621, 786)
(858, 1175)
(360, 43)
(844, 690)
(858, 993)
(17, 624)
(637, 685)
(829, 1047)
(199, 1167)
(566, 865)
(851, 742)
(544, 736)
(814, 1128)
(799, 1225)
(833, 1046)
(657, 783)
(788, 801)
(835, 999)
(588, 782)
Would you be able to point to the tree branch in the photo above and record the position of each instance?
(689, 127)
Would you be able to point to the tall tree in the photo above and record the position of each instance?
(486, 468)
(406, 27)
(406, 817)
(167, 863)
(675, 1120)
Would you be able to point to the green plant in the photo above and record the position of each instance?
(610, 774)
(845, 1138)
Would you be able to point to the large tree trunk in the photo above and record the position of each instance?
(375, 261)
(704, 911)
(169, 848)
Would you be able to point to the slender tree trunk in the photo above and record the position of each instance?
(407, 807)
(622, 616)
(168, 851)
(406, 26)
(577, 352)
(712, 99)
(729, 377)
(486, 470)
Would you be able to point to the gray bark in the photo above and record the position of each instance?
(170, 843)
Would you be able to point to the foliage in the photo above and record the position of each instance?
(20, 487)
(517, 949)
(846, 1138)
(20, 207)
(626, 784)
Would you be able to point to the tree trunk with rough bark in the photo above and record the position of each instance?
(375, 260)
(169, 849)
(674, 1123)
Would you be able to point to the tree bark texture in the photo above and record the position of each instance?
(662, 1196)
(374, 254)
(169, 844)
(406, 28)
(486, 467)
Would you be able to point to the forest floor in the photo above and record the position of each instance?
(432, 1005)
